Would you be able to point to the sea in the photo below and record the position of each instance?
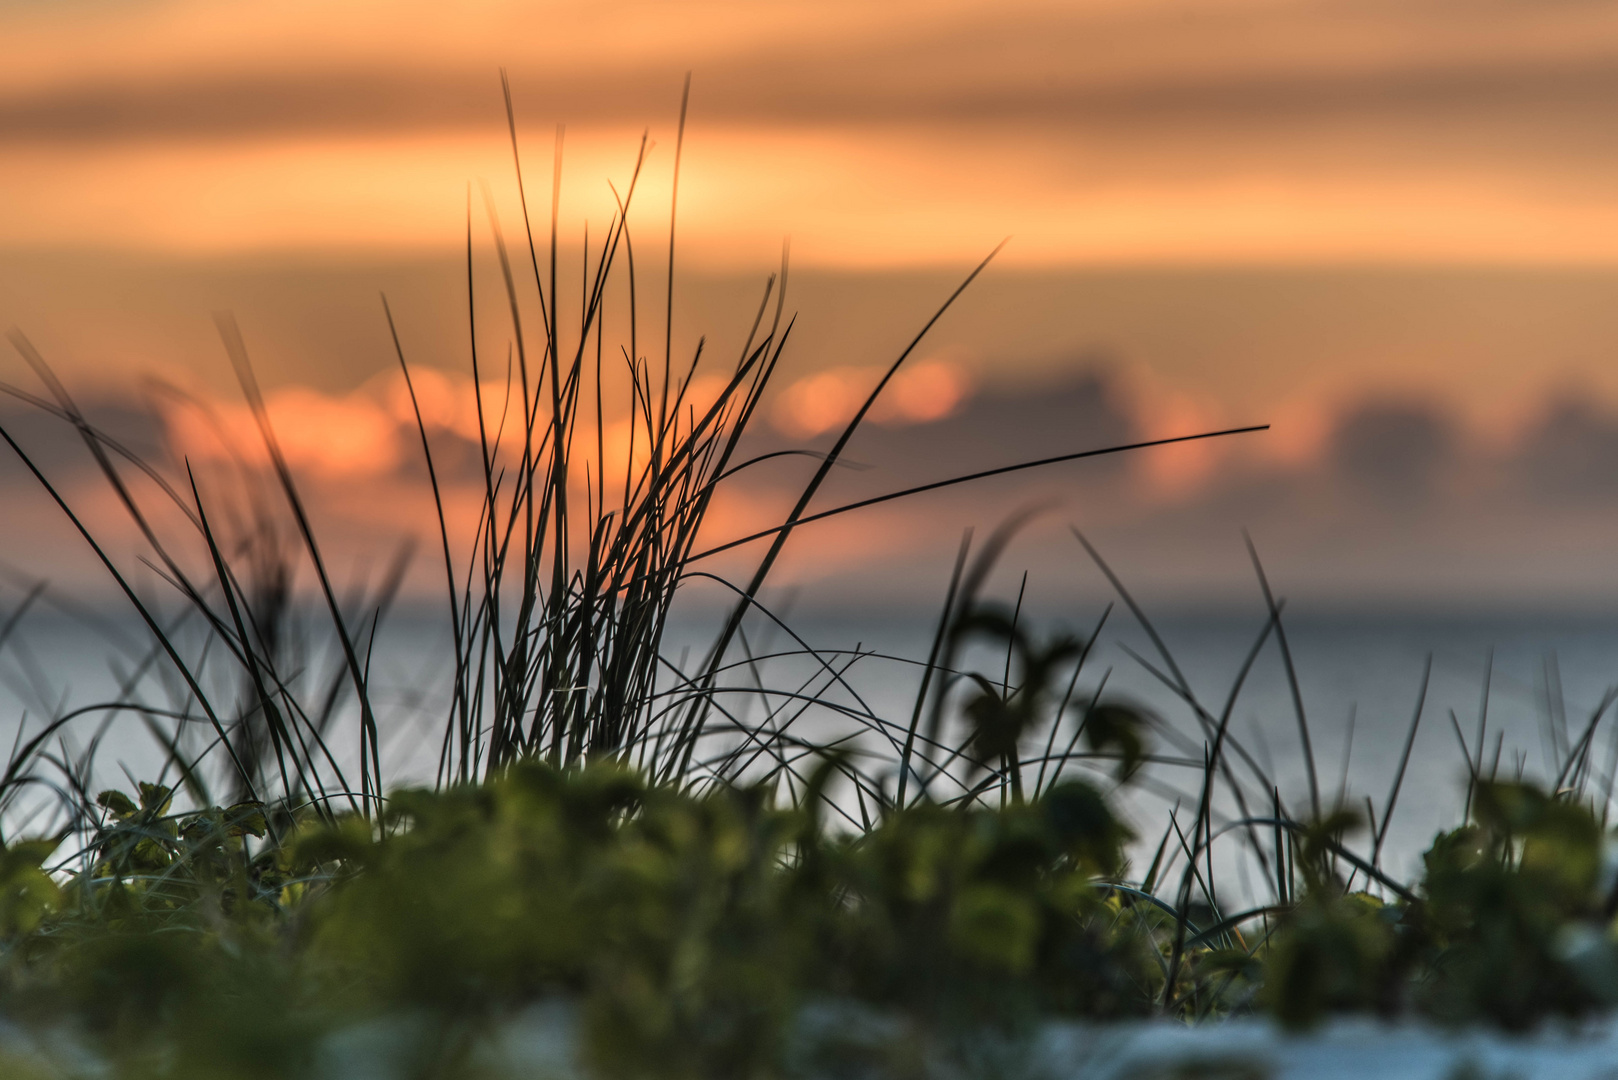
(1387, 715)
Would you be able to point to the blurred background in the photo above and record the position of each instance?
(1387, 228)
(1390, 230)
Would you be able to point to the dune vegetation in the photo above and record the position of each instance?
(629, 865)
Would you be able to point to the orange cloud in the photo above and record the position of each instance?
(920, 393)
(330, 437)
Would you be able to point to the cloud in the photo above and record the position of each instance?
(346, 437)
(972, 63)
(1570, 453)
(1393, 451)
(1396, 500)
(921, 392)
(788, 90)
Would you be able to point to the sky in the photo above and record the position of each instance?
(876, 135)
(1388, 229)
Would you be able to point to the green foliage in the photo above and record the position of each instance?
(692, 931)
(1502, 894)
(145, 859)
(1512, 924)
(992, 914)
(1332, 954)
(713, 934)
(27, 893)
(669, 916)
(168, 950)
(1117, 728)
(1334, 950)
(1002, 716)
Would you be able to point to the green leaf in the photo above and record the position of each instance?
(1086, 826)
(246, 817)
(116, 801)
(1121, 728)
(30, 853)
(155, 797)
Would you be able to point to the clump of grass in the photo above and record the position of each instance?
(556, 611)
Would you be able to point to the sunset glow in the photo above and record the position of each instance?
(1306, 212)
(1095, 131)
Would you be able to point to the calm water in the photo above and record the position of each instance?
(1360, 679)
(1359, 676)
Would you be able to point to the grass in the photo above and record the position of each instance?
(732, 867)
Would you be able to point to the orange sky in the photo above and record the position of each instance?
(1242, 210)
(178, 141)
(875, 134)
